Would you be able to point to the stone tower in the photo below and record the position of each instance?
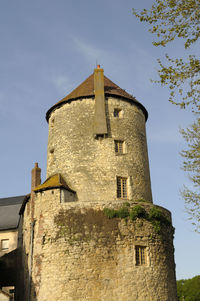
(90, 159)
(95, 233)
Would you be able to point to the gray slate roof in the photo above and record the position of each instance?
(9, 212)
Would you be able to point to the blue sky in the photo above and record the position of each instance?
(49, 47)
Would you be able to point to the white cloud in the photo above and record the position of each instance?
(135, 64)
(62, 83)
(90, 52)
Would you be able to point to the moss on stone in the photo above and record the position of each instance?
(155, 216)
(74, 225)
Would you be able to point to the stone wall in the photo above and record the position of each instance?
(25, 245)
(80, 254)
(71, 250)
(90, 166)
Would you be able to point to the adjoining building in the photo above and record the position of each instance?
(91, 230)
(9, 221)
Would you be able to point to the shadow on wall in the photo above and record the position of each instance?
(8, 268)
(14, 272)
(25, 287)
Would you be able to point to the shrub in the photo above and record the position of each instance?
(156, 214)
(157, 226)
(123, 212)
(137, 212)
(110, 213)
(141, 200)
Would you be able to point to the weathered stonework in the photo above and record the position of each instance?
(72, 251)
(86, 256)
(89, 165)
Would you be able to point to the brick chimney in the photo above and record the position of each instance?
(36, 176)
(35, 181)
(100, 124)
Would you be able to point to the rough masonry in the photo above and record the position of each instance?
(91, 230)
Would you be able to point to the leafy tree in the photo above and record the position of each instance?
(189, 290)
(170, 20)
(191, 164)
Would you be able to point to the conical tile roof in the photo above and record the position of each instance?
(86, 89)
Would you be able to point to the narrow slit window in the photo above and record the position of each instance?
(140, 255)
(52, 122)
(51, 155)
(119, 147)
(122, 188)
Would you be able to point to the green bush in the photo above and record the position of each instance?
(110, 213)
(123, 212)
(141, 200)
(156, 214)
(157, 226)
(137, 212)
(189, 288)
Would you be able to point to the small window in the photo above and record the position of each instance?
(122, 188)
(140, 255)
(51, 150)
(100, 136)
(66, 196)
(117, 112)
(119, 147)
(5, 244)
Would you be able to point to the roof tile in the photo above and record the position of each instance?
(86, 89)
(54, 181)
